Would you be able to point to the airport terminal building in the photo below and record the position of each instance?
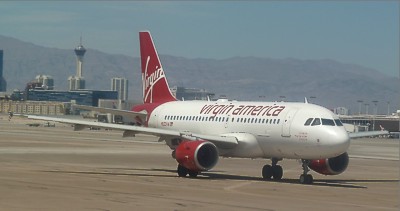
(52, 102)
(81, 97)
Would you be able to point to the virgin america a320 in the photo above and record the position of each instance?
(200, 132)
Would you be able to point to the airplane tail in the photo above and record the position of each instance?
(155, 85)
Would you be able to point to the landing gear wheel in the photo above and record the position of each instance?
(193, 173)
(182, 171)
(309, 179)
(302, 179)
(267, 172)
(306, 179)
(273, 171)
(277, 172)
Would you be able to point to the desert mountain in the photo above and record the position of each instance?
(333, 84)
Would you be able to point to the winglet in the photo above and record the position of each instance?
(305, 100)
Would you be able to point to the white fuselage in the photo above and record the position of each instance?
(263, 129)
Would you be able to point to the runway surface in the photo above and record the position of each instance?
(55, 168)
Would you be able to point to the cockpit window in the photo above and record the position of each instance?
(338, 122)
(316, 121)
(308, 122)
(329, 122)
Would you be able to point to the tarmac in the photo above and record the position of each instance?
(56, 168)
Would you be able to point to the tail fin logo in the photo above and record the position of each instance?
(154, 82)
(151, 80)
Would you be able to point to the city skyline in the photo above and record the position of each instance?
(359, 32)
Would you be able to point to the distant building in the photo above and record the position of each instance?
(372, 122)
(182, 93)
(79, 52)
(77, 82)
(81, 97)
(35, 107)
(3, 83)
(46, 81)
(341, 111)
(120, 85)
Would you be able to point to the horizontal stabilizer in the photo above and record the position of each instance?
(126, 113)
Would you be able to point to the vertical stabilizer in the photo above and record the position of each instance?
(155, 85)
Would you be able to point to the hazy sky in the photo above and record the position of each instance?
(359, 32)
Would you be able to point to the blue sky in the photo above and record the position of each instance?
(359, 32)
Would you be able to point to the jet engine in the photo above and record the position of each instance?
(330, 166)
(197, 155)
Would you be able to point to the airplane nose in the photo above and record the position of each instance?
(340, 141)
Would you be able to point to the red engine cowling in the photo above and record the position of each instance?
(330, 166)
(197, 155)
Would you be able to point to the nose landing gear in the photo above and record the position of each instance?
(306, 178)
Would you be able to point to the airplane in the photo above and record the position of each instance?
(199, 132)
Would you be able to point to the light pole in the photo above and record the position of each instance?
(375, 112)
(313, 97)
(388, 108)
(359, 106)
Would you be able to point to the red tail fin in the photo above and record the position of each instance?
(155, 85)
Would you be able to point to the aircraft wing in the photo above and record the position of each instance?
(368, 133)
(132, 114)
(130, 130)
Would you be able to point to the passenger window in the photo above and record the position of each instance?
(338, 122)
(316, 121)
(329, 122)
(308, 122)
(277, 122)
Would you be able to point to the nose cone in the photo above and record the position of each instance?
(338, 141)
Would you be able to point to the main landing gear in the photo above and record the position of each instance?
(183, 172)
(273, 171)
(306, 178)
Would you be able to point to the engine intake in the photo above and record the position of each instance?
(197, 155)
(330, 166)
